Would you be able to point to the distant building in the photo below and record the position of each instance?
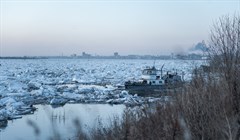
(116, 55)
(173, 56)
(73, 55)
(85, 55)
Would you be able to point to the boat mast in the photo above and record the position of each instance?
(161, 70)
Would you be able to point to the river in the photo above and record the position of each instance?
(61, 119)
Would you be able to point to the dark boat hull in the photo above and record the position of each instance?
(145, 87)
(153, 90)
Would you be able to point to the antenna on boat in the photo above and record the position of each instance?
(161, 69)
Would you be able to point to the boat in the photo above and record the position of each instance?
(151, 80)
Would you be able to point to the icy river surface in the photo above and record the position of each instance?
(30, 82)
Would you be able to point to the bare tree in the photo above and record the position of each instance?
(224, 53)
(225, 59)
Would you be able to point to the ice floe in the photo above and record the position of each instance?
(24, 83)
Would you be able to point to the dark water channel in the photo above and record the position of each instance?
(48, 119)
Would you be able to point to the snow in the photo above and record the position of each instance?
(59, 81)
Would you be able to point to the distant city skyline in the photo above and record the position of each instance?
(102, 27)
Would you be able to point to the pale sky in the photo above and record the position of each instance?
(156, 27)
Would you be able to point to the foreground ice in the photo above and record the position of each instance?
(58, 81)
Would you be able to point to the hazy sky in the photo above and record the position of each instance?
(53, 27)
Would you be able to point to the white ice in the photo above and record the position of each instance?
(57, 81)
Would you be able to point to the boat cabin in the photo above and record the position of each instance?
(150, 76)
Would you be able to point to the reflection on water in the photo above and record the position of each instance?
(61, 119)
